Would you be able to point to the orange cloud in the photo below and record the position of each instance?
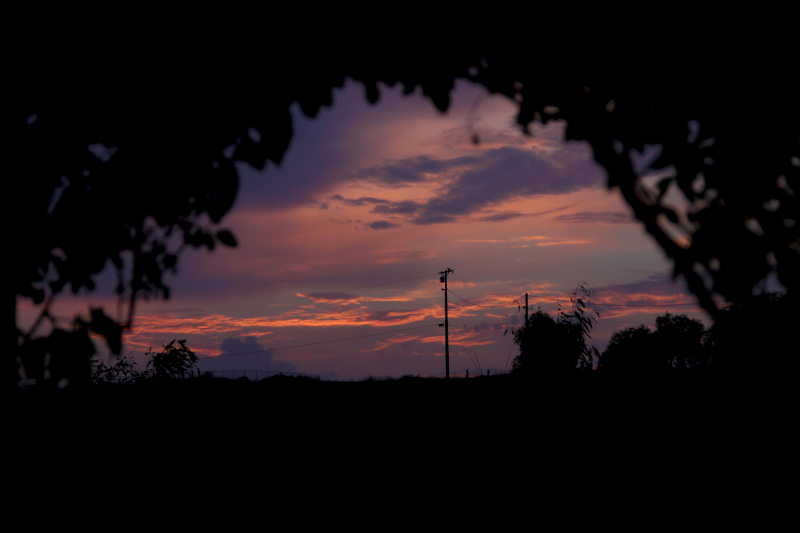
(612, 304)
(386, 257)
(147, 325)
(469, 339)
(553, 243)
(388, 343)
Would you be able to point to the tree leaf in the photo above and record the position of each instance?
(226, 238)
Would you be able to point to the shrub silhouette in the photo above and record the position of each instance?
(542, 346)
(678, 340)
(631, 350)
(550, 346)
(173, 362)
(124, 371)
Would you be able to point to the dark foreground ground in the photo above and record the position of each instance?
(695, 428)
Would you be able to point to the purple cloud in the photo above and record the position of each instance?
(602, 217)
(501, 217)
(381, 224)
(501, 174)
(412, 170)
(357, 202)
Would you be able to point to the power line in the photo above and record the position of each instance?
(479, 305)
(480, 369)
(507, 360)
(477, 366)
(323, 342)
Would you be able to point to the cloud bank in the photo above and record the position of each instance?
(471, 185)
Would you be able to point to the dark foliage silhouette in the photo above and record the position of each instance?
(631, 350)
(172, 362)
(541, 343)
(124, 371)
(679, 340)
(126, 155)
(549, 346)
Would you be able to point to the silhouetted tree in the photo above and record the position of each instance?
(679, 340)
(542, 345)
(114, 150)
(631, 350)
(547, 345)
(172, 362)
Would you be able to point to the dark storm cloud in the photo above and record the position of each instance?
(381, 224)
(501, 174)
(602, 217)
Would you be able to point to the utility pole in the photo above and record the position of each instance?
(526, 309)
(443, 279)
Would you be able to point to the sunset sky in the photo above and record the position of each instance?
(347, 236)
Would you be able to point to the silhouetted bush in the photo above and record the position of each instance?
(632, 350)
(678, 340)
(173, 362)
(547, 345)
